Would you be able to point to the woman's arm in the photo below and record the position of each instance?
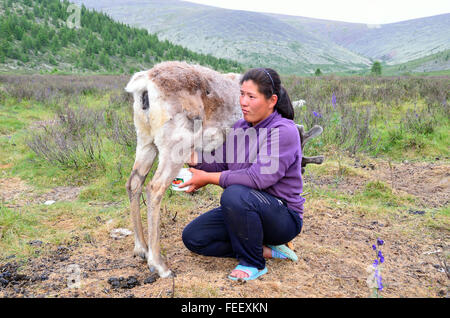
(198, 161)
(201, 178)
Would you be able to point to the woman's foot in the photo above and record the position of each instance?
(267, 252)
(281, 251)
(238, 274)
(246, 273)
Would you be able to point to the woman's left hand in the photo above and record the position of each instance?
(199, 179)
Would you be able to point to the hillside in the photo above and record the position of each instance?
(251, 38)
(37, 37)
(438, 63)
(392, 43)
(291, 44)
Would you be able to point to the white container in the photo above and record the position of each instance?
(183, 176)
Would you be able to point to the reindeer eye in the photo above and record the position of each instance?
(145, 103)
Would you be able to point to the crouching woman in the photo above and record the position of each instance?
(260, 208)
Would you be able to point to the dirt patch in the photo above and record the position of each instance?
(12, 189)
(334, 251)
(14, 192)
(430, 182)
(60, 194)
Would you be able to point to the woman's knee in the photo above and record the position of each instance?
(189, 239)
(233, 197)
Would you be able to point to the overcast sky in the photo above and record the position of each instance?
(361, 11)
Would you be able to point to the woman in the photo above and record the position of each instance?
(259, 209)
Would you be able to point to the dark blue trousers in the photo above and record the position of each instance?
(246, 220)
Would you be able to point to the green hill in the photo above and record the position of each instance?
(434, 64)
(36, 36)
(391, 43)
(289, 44)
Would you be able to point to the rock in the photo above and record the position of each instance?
(3, 282)
(114, 282)
(420, 212)
(35, 243)
(151, 279)
(121, 282)
(19, 277)
(120, 233)
(62, 250)
(131, 282)
(38, 278)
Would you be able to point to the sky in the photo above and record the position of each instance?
(359, 11)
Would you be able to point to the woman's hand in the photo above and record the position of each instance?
(199, 179)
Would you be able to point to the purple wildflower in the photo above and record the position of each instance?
(378, 261)
(333, 101)
(317, 114)
(378, 277)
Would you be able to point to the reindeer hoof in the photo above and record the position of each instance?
(140, 253)
(162, 270)
(166, 274)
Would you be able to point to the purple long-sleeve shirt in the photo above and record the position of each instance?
(266, 157)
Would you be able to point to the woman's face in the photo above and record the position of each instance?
(255, 106)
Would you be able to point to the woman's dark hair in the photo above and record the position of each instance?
(269, 83)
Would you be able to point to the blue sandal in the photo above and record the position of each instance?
(253, 272)
(284, 251)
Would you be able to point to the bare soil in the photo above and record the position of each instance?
(334, 249)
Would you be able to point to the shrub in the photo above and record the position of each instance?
(72, 140)
(121, 130)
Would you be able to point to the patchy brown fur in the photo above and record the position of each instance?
(211, 103)
(188, 80)
(176, 76)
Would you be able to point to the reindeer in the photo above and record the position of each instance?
(168, 100)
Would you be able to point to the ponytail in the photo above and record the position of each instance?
(284, 106)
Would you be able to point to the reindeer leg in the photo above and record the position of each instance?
(167, 170)
(144, 160)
